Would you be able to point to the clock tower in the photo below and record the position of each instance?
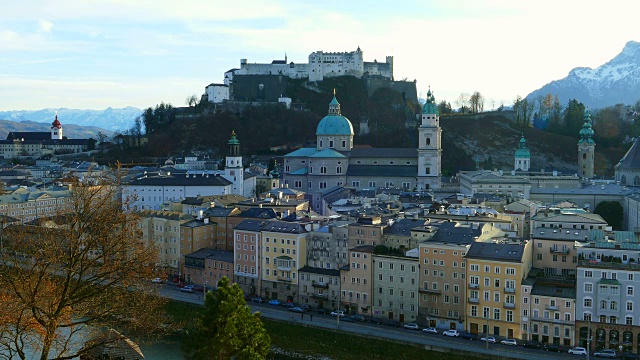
(429, 146)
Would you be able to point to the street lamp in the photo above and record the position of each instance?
(205, 291)
(486, 335)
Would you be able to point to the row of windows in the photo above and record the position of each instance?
(607, 275)
(487, 269)
(392, 265)
(442, 263)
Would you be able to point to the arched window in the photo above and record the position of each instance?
(623, 180)
(584, 156)
(428, 141)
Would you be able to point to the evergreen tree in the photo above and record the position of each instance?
(227, 329)
(611, 212)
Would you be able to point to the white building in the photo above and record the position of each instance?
(217, 93)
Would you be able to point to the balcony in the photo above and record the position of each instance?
(474, 286)
(510, 290)
(430, 291)
(320, 285)
(285, 279)
(473, 300)
(550, 320)
(508, 305)
(608, 264)
(284, 268)
(551, 307)
(555, 250)
(319, 296)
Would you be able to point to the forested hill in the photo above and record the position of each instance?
(492, 138)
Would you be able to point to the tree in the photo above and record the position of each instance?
(461, 101)
(476, 102)
(65, 280)
(444, 107)
(227, 329)
(192, 100)
(611, 212)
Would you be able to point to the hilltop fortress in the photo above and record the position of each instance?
(321, 64)
(268, 82)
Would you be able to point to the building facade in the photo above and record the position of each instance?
(395, 284)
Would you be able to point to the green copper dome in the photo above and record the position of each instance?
(523, 152)
(334, 123)
(233, 140)
(586, 133)
(430, 106)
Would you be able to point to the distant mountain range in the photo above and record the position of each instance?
(616, 82)
(113, 120)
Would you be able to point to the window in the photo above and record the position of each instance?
(588, 287)
(496, 314)
(630, 289)
(629, 306)
(587, 303)
(588, 273)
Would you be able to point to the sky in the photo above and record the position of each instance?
(94, 54)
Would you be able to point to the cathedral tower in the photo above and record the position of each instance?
(233, 168)
(586, 148)
(429, 146)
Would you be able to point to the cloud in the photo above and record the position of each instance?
(45, 26)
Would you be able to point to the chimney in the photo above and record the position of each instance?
(200, 213)
(206, 220)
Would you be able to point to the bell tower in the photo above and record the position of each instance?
(233, 167)
(586, 148)
(429, 146)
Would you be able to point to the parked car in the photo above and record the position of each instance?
(198, 288)
(454, 333)
(411, 326)
(376, 321)
(347, 319)
(337, 313)
(257, 299)
(176, 279)
(430, 330)
(288, 305)
(510, 342)
(157, 281)
(393, 323)
(605, 353)
(358, 317)
(274, 302)
(489, 339)
(296, 309)
(468, 336)
(555, 348)
(187, 288)
(629, 356)
(578, 351)
(180, 284)
(322, 311)
(532, 344)
(305, 307)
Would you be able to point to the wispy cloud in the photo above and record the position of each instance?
(45, 26)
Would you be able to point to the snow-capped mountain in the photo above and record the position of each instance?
(109, 119)
(616, 82)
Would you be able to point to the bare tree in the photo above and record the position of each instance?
(461, 102)
(67, 278)
(192, 100)
(476, 102)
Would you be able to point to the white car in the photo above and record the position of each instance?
(430, 330)
(156, 280)
(412, 326)
(510, 342)
(453, 333)
(338, 313)
(188, 288)
(578, 351)
(490, 339)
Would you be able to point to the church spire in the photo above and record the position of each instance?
(334, 105)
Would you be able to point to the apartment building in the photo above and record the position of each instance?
(608, 305)
(247, 253)
(26, 205)
(328, 246)
(395, 284)
(495, 272)
(368, 230)
(357, 284)
(195, 235)
(398, 235)
(554, 234)
(284, 251)
(442, 278)
(163, 229)
(319, 287)
(548, 309)
(224, 230)
(207, 267)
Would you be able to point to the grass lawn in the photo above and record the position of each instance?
(320, 342)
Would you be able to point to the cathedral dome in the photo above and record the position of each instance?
(334, 123)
